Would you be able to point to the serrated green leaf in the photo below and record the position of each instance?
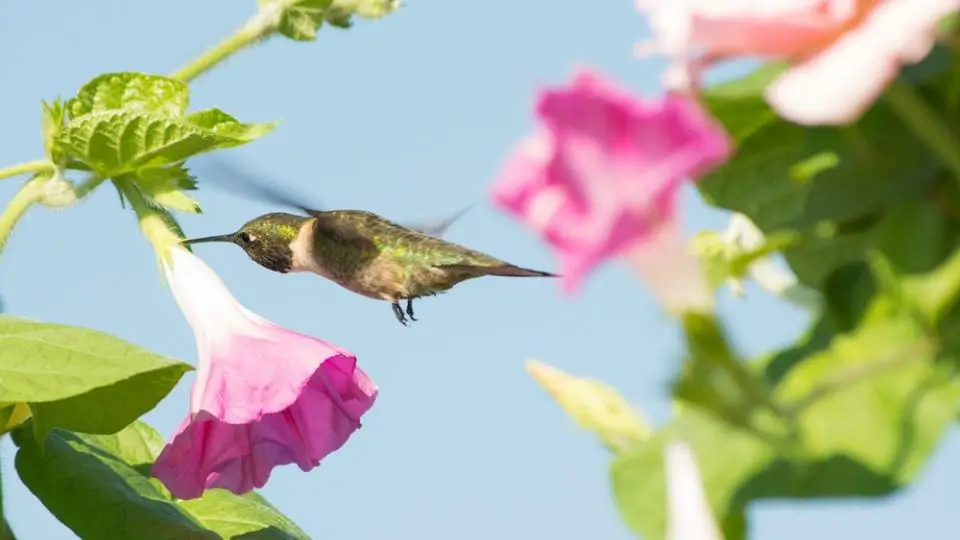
(164, 186)
(99, 487)
(120, 141)
(870, 408)
(594, 406)
(80, 379)
(131, 91)
(224, 125)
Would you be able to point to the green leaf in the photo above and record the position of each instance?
(594, 406)
(341, 12)
(224, 125)
(52, 124)
(299, 19)
(99, 487)
(791, 177)
(80, 379)
(116, 142)
(247, 516)
(869, 411)
(134, 92)
(165, 185)
(714, 378)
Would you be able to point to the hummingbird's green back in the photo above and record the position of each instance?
(375, 257)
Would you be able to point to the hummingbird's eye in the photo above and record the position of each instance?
(245, 238)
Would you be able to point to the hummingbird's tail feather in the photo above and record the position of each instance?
(503, 270)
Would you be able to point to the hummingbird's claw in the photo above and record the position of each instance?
(399, 314)
(410, 309)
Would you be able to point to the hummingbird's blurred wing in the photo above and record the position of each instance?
(251, 186)
(438, 229)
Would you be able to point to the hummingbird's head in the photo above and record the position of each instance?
(266, 239)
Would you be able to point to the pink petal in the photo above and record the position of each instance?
(601, 173)
(674, 275)
(210, 452)
(264, 396)
(841, 83)
(771, 29)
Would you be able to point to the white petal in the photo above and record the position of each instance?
(839, 84)
(688, 512)
(671, 272)
(202, 296)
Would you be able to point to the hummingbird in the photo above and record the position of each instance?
(361, 251)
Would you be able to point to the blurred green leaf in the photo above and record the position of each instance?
(131, 91)
(594, 406)
(713, 377)
(918, 244)
(877, 407)
(80, 379)
(789, 177)
(99, 487)
(869, 409)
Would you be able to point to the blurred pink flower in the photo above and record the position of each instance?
(264, 395)
(843, 52)
(600, 178)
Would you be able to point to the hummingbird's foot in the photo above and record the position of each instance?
(399, 313)
(410, 309)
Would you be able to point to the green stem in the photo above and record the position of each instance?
(135, 198)
(39, 165)
(29, 194)
(6, 533)
(925, 123)
(257, 28)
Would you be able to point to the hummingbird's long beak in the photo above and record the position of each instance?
(218, 238)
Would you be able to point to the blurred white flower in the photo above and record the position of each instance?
(688, 512)
(742, 234)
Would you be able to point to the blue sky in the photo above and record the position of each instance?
(410, 117)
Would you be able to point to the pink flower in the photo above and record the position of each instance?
(264, 395)
(601, 178)
(843, 52)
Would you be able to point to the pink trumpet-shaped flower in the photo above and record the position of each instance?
(264, 395)
(843, 52)
(601, 178)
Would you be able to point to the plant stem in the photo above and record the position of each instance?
(260, 26)
(6, 533)
(39, 165)
(153, 222)
(925, 123)
(29, 194)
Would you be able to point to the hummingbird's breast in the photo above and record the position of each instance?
(362, 271)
